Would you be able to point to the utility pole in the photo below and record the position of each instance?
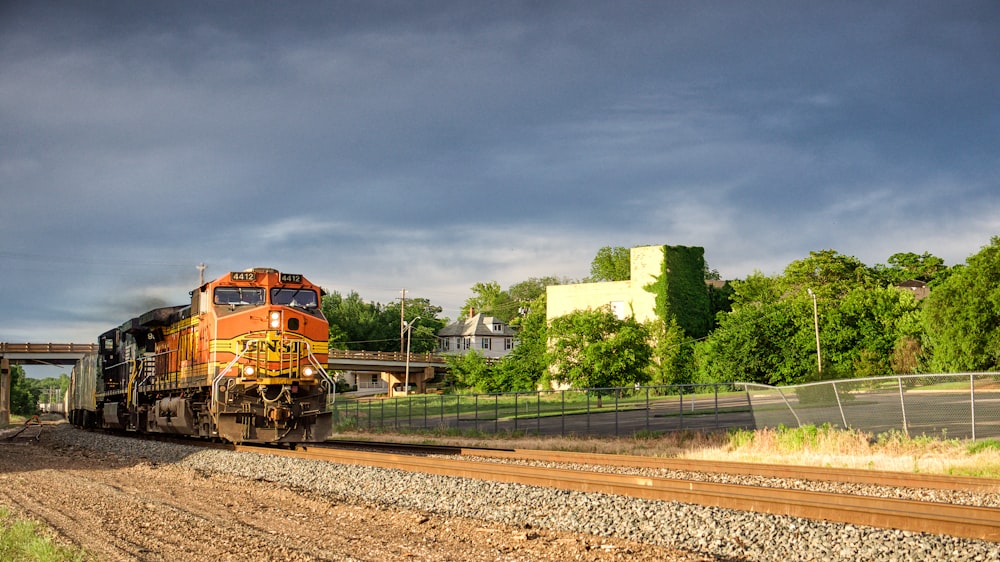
(402, 320)
(4, 392)
(819, 360)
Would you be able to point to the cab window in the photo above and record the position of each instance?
(238, 296)
(301, 298)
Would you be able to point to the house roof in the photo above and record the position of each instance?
(478, 325)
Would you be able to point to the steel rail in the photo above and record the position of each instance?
(822, 474)
(793, 472)
(937, 518)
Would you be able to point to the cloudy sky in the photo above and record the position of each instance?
(429, 145)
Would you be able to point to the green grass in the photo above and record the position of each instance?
(24, 541)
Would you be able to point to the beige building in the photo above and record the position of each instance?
(624, 297)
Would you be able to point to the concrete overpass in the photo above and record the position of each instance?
(45, 353)
(392, 365)
(339, 360)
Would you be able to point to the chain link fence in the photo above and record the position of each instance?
(597, 411)
(955, 405)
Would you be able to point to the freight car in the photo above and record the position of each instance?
(244, 362)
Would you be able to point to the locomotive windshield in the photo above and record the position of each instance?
(301, 298)
(237, 296)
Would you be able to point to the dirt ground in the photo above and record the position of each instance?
(119, 510)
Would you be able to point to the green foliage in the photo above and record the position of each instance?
(23, 394)
(525, 366)
(807, 437)
(611, 264)
(471, 370)
(22, 540)
(961, 317)
(861, 331)
(984, 445)
(763, 342)
(508, 306)
(594, 349)
(491, 300)
(866, 329)
(680, 290)
(50, 389)
(828, 273)
(907, 266)
(371, 326)
(673, 354)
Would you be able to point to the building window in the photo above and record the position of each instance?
(619, 309)
(467, 343)
(486, 343)
(497, 327)
(508, 343)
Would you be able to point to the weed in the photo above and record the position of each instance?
(24, 540)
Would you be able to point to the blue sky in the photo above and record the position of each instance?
(379, 145)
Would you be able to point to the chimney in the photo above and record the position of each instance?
(472, 311)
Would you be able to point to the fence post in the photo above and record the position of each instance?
(563, 411)
(588, 411)
(538, 412)
(647, 408)
(972, 402)
(902, 406)
(716, 387)
(782, 394)
(617, 394)
(496, 413)
(515, 412)
(680, 395)
(837, 395)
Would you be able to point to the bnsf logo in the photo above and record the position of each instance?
(255, 346)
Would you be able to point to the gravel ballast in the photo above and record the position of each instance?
(721, 533)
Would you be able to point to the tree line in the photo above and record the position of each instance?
(759, 329)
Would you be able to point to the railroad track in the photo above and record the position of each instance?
(908, 515)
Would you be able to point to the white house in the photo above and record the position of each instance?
(489, 336)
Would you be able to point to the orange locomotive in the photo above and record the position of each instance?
(243, 362)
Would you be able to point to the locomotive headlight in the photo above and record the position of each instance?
(248, 370)
(308, 372)
(276, 320)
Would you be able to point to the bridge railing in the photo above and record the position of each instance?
(384, 356)
(47, 348)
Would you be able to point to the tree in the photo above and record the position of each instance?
(961, 316)
(762, 342)
(370, 326)
(611, 264)
(862, 331)
(595, 349)
(905, 266)
(23, 398)
(471, 370)
(828, 273)
(526, 292)
(672, 359)
(525, 366)
(491, 300)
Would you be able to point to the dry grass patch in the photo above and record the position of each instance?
(806, 446)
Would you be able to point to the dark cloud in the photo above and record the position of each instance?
(375, 146)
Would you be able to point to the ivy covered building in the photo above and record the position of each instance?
(665, 282)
